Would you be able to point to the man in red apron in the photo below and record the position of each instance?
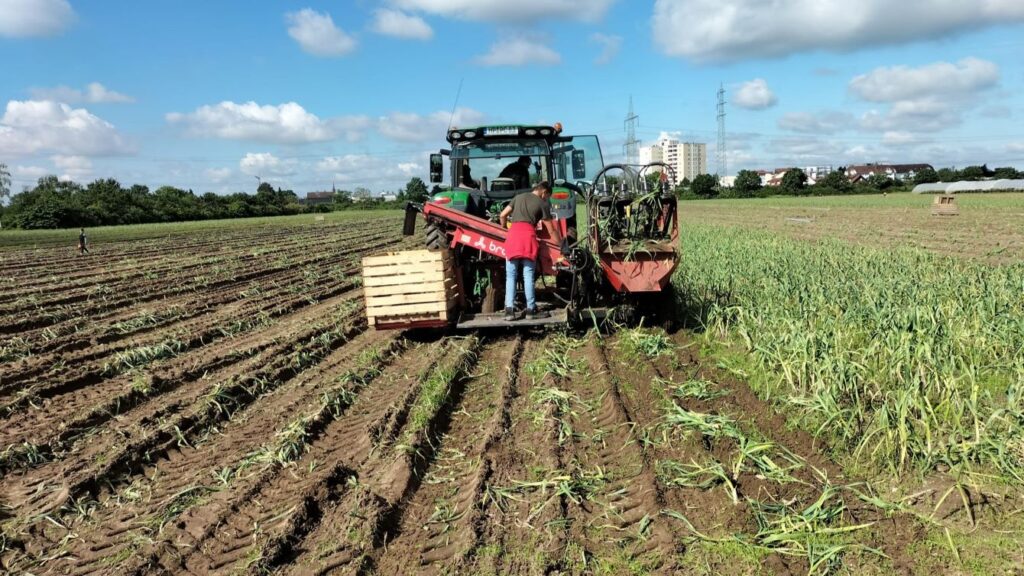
(521, 245)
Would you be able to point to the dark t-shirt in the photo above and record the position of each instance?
(529, 207)
(519, 174)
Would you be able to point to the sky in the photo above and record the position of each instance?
(306, 95)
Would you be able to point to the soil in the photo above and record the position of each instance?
(284, 436)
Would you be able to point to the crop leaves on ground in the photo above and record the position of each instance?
(899, 358)
(639, 342)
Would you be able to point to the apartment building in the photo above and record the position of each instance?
(688, 159)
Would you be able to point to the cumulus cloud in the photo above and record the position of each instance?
(94, 93)
(317, 34)
(826, 122)
(755, 95)
(33, 18)
(1015, 148)
(375, 172)
(610, 46)
(34, 126)
(287, 123)
(411, 127)
(401, 25)
(503, 11)
(891, 84)
(519, 51)
(265, 164)
(927, 98)
(719, 30)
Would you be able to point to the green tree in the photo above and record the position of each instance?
(974, 172)
(836, 182)
(926, 176)
(1007, 172)
(794, 182)
(880, 182)
(948, 175)
(747, 184)
(415, 190)
(705, 185)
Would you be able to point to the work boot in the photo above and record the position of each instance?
(533, 314)
(510, 315)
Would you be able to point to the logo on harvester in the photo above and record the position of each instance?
(480, 243)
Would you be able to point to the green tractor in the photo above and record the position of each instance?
(489, 165)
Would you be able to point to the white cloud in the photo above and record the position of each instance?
(29, 18)
(895, 83)
(369, 170)
(73, 167)
(401, 25)
(827, 122)
(94, 93)
(505, 12)
(287, 123)
(755, 95)
(717, 30)
(411, 127)
(34, 126)
(265, 164)
(610, 46)
(317, 34)
(519, 51)
(1015, 148)
(29, 173)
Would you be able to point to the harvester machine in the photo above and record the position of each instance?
(620, 223)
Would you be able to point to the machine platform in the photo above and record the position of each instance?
(496, 320)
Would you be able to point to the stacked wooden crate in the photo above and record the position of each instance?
(413, 288)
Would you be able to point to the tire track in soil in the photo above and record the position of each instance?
(619, 523)
(93, 405)
(524, 534)
(97, 366)
(118, 527)
(151, 292)
(437, 528)
(126, 442)
(258, 518)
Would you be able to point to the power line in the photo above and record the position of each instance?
(631, 146)
(721, 132)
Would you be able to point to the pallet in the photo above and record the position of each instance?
(414, 288)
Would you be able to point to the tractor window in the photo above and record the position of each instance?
(579, 157)
(488, 159)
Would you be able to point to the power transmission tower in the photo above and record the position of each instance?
(632, 146)
(720, 155)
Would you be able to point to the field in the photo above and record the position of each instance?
(208, 399)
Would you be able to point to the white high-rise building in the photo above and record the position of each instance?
(688, 159)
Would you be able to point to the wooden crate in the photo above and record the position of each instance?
(409, 289)
(945, 205)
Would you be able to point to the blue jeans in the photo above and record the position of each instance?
(511, 273)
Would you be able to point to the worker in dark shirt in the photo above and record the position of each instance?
(83, 247)
(519, 172)
(521, 245)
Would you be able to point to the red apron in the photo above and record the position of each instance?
(521, 241)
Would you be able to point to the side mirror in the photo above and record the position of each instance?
(579, 165)
(436, 168)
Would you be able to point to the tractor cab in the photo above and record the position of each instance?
(490, 165)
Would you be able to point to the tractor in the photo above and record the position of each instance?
(618, 265)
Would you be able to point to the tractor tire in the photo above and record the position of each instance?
(436, 239)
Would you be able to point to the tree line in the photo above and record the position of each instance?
(794, 183)
(55, 203)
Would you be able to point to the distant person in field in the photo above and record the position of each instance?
(519, 172)
(522, 246)
(83, 243)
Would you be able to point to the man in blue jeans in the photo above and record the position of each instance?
(521, 245)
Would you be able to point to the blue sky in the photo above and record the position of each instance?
(210, 95)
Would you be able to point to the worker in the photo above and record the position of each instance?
(83, 247)
(467, 178)
(521, 245)
(519, 172)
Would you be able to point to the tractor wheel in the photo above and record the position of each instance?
(436, 239)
